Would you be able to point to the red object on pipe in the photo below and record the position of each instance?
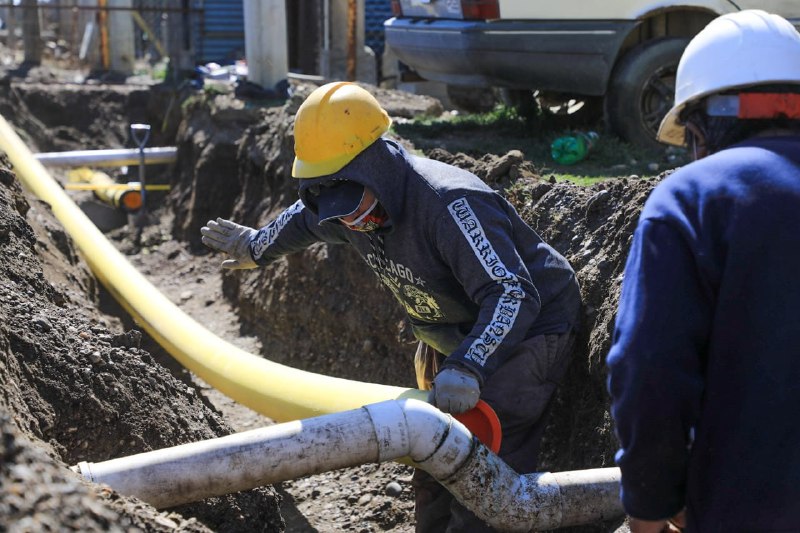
(482, 421)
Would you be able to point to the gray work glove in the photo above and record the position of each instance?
(226, 236)
(455, 390)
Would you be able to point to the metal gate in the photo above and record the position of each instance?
(220, 31)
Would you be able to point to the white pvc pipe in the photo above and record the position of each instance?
(378, 432)
(108, 158)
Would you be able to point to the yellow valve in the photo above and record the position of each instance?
(125, 196)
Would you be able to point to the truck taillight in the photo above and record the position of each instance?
(396, 9)
(480, 9)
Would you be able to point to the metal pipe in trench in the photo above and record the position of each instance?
(116, 157)
(378, 432)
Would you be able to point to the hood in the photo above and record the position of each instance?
(383, 167)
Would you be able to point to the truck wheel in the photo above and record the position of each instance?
(642, 90)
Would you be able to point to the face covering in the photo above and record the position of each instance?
(369, 220)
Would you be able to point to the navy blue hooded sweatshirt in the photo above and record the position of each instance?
(705, 364)
(474, 279)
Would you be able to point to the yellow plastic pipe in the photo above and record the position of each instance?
(277, 391)
(127, 197)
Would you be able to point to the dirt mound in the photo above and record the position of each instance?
(76, 383)
(593, 228)
(41, 494)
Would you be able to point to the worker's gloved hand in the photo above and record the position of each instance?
(455, 390)
(233, 239)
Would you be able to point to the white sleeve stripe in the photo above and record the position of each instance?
(267, 235)
(508, 306)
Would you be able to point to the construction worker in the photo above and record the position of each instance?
(704, 373)
(492, 304)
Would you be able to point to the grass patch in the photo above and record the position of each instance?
(585, 181)
(502, 117)
(504, 129)
(467, 133)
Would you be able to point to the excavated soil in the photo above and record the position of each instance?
(81, 382)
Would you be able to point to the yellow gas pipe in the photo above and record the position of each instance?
(277, 391)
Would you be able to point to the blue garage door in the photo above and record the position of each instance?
(221, 31)
(375, 12)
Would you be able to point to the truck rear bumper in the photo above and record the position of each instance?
(564, 56)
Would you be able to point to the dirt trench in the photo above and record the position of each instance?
(320, 295)
(81, 382)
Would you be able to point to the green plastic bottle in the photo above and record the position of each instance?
(570, 149)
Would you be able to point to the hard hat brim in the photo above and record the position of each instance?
(306, 169)
(671, 131)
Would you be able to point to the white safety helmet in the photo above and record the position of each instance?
(737, 50)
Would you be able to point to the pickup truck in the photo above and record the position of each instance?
(616, 56)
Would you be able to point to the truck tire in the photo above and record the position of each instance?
(642, 90)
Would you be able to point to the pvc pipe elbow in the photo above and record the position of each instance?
(434, 440)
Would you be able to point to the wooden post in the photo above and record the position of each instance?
(11, 29)
(352, 34)
(347, 57)
(102, 20)
(122, 50)
(176, 28)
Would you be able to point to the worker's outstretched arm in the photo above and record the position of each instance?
(293, 230)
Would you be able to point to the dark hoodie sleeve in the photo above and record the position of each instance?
(655, 370)
(475, 239)
(295, 229)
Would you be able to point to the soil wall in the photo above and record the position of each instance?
(77, 386)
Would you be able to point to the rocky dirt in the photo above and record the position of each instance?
(81, 382)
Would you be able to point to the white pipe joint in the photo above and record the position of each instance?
(434, 441)
(539, 501)
(483, 482)
(379, 432)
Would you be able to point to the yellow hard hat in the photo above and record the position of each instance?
(333, 125)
